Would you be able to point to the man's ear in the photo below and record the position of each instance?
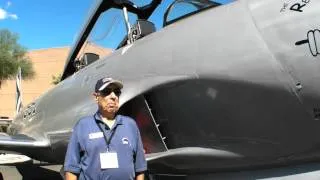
(95, 96)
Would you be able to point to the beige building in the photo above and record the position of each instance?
(47, 63)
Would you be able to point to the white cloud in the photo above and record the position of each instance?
(9, 4)
(13, 16)
(4, 15)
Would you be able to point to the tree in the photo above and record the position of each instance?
(13, 56)
(56, 79)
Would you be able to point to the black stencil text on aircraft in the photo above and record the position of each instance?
(313, 40)
(316, 113)
(297, 6)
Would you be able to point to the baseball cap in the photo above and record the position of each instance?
(105, 82)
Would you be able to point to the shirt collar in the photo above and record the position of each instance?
(118, 119)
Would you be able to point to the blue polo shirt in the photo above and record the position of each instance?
(86, 144)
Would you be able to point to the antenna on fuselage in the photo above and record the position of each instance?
(126, 18)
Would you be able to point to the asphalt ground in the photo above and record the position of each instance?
(31, 170)
(34, 170)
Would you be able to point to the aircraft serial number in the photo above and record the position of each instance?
(29, 112)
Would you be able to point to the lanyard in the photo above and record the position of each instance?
(105, 136)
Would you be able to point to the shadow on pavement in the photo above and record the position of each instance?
(30, 171)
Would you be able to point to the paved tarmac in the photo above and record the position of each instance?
(31, 170)
(34, 170)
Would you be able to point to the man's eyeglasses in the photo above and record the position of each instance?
(108, 91)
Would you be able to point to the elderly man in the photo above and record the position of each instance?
(105, 145)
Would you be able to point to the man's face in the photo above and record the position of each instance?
(108, 99)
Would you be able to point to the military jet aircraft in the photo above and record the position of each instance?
(216, 87)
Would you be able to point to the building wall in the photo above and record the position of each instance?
(46, 63)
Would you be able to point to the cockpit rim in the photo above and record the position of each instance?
(101, 6)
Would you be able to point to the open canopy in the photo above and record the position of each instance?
(106, 25)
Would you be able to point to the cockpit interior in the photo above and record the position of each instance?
(118, 23)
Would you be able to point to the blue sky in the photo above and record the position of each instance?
(43, 24)
(48, 23)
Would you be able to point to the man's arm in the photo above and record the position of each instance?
(140, 160)
(71, 176)
(72, 159)
(140, 176)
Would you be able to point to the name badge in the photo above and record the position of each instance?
(109, 160)
(95, 135)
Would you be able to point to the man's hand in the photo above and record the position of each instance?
(71, 176)
(140, 176)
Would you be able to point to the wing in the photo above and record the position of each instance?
(189, 160)
(21, 144)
